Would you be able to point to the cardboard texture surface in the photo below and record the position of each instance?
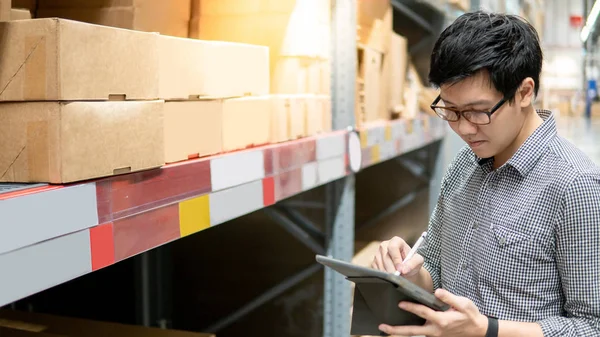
(313, 114)
(246, 122)
(53, 59)
(291, 29)
(74, 327)
(192, 129)
(5, 14)
(194, 68)
(374, 20)
(65, 142)
(296, 117)
(322, 8)
(324, 105)
(398, 63)
(370, 68)
(280, 117)
(165, 17)
(297, 75)
(19, 14)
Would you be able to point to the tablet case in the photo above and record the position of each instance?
(376, 298)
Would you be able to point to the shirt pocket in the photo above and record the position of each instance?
(512, 257)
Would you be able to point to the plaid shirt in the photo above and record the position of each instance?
(522, 241)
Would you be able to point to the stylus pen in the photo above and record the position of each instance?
(413, 250)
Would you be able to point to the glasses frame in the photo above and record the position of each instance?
(460, 113)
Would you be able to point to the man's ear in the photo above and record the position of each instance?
(526, 92)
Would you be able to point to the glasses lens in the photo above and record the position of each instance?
(446, 114)
(477, 117)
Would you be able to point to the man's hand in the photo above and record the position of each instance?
(462, 320)
(391, 254)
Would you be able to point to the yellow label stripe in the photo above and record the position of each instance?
(194, 215)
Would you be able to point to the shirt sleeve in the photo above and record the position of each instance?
(577, 242)
(431, 250)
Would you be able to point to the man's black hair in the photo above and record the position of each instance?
(507, 46)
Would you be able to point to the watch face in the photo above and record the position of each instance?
(354, 151)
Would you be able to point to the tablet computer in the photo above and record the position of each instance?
(377, 295)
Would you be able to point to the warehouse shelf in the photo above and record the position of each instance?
(63, 232)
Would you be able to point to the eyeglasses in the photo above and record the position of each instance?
(473, 116)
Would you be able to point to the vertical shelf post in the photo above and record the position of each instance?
(340, 194)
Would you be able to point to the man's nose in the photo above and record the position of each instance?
(466, 128)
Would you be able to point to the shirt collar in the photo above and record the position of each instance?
(528, 154)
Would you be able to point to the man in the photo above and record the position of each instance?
(512, 245)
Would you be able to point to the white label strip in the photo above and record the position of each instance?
(35, 268)
(387, 150)
(236, 169)
(331, 146)
(331, 169)
(37, 217)
(309, 176)
(232, 203)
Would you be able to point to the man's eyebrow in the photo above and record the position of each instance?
(478, 102)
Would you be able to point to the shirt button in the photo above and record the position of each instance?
(475, 225)
(464, 266)
(502, 241)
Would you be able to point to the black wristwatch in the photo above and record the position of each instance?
(492, 330)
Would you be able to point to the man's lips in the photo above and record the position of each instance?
(476, 143)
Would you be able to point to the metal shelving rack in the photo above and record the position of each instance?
(92, 223)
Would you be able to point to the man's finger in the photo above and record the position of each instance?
(412, 264)
(459, 303)
(389, 264)
(396, 249)
(419, 310)
(408, 330)
(378, 262)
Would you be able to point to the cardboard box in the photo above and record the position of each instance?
(296, 117)
(5, 13)
(166, 17)
(324, 104)
(194, 68)
(53, 59)
(280, 117)
(293, 37)
(65, 142)
(192, 129)
(374, 20)
(398, 63)
(74, 327)
(19, 14)
(313, 116)
(369, 71)
(297, 75)
(246, 122)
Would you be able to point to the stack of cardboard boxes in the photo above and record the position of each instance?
(382, 65)
(297, 33)
(82, 101)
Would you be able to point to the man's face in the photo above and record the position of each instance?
(477, 94)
